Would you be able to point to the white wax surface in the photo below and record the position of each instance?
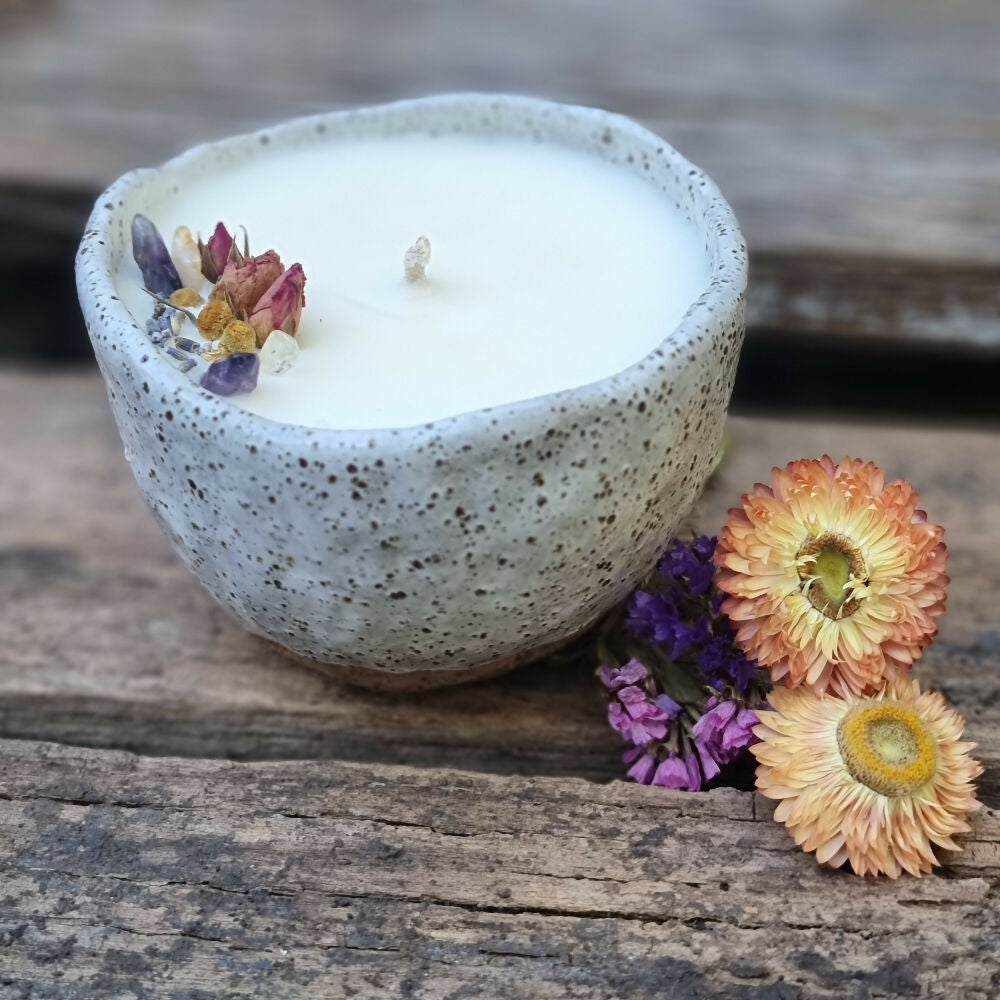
(550, 269)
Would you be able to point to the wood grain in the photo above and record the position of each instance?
(471, 842)
(109, 642)
(839, 124)
(857, 142)
(818, 300)
(493, 869)
(129, 876)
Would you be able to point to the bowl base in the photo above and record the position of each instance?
(426, 680)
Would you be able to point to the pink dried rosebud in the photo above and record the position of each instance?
(215, 252)
(280, 307)
(243, 282)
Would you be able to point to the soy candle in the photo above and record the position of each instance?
(550, 268)
(483, 444)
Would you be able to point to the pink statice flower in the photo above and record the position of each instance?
(614, 678)
(724, 731)
(632, 711)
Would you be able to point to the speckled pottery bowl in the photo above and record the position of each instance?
(428, 555)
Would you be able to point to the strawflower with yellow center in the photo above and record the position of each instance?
(876, 781)
(834, 576)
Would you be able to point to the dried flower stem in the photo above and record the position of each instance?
(166, 302)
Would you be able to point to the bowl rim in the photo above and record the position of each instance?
(95, 271)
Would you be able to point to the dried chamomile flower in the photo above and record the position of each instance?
(185, 297)
(237, 338)
(214, 318)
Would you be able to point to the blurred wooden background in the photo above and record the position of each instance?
(185, 812)
(858, 142)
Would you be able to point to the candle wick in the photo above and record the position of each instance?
(416, 259)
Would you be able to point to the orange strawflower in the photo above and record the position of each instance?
(877, 781)
(835, 578)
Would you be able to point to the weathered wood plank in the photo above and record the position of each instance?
(107, 641)
(905, 304)
(164, 876)
(132, 876)
(857, 142)
(841, 124)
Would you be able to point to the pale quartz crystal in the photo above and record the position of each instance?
(177, 320)
(279, 353)
(187, 258)
(416, 259)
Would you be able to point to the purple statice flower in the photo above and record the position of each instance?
(716, 739)
(678, 772)
(686, 616)
(691, 562)
(632, 711)
(683, 651)
(643, 765)
(673, 771)
(661, 617)
(637, 717)
(150, 252)
(720, 660)
(667, 704)
(652, 616)
(722, 733)
(614, 678)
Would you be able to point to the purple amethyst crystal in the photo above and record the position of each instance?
(150, 253)
(233, 375)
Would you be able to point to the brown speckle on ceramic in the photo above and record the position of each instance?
(474, 541)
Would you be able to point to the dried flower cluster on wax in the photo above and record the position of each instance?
(244, 309)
